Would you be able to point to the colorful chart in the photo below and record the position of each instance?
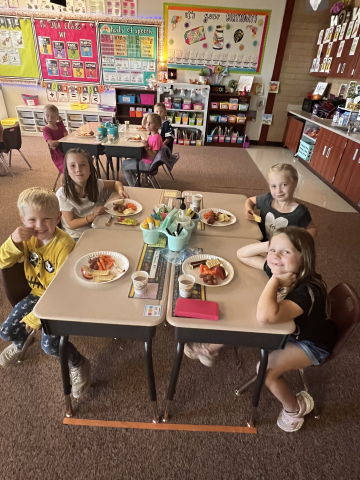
(17, 49)
(67, 50)
(197, 36)
(128, 53)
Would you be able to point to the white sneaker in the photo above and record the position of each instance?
(80, 378)
(291, 422)
(200, 351)
(9, 355)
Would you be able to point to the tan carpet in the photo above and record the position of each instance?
(35, 444)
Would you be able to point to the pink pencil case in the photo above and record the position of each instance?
(187, 307)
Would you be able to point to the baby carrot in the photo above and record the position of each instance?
(102, 263)
(100, 266)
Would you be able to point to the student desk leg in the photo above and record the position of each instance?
(64, 329)
(239, 339)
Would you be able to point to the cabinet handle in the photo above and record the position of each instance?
(356, 151)
(343, 68)
(328, 152)
(324, 150)
(339, 66)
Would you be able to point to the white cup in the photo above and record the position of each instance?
(160, 206)
(127, 124)
(196, 199)
(186, 285)
(140, 281)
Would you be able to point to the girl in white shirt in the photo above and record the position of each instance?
(81, 191)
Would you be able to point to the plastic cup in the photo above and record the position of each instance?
(196, 199)
(186, 285)
(140, 281)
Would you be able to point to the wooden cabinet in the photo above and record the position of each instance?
(327, 154)
(353, 189)
(331, 163)
(347, 166)
(293, 133)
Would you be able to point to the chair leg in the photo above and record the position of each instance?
(157, 182)
(151, 180)
(57, 179)
(165, 170)
(28, 164)
(171, 175)
(7, 167)
(246, 385)
(10, 158)
(306, 388)
(237, 358)
(27, 344)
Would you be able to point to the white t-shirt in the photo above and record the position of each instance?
(79, 211)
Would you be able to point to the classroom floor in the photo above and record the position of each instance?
(35, 444)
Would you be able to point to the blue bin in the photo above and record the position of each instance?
(126, 98)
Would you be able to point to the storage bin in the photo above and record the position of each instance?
(191, 121)
(78, 106)
(39, 115)
(227, 138)
(224, 106)
(26, 114)
(132, 113)
(241, 119)
(214, 105)
(215, 138)
(192, 143)
(181, 141)
(234, 138)
(198, 143)
(75, 117)
(185, 120)
(243, 107)
(30, 99)
(199, 122)
(29, 129)
(231, 118)
(240, 140)
(29, 121)
(234, 100)
(177, 106)
(305, 150)
(187, 106)
(41, 122)
(178, 120)
(105, 119)
(221, 138)
(138, 114)
(214, 118)
(233, 106)
(147, 98)
(91, 118)
(175, 141)
(76, 124)
(126, 98)
(223, 118)
(186, 142)
(246, 142)
(209, 138)
(198, 106)
(9, 122)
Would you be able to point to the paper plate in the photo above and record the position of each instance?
(217, 224)
(119, 269)
(109, 208)
(195, 272)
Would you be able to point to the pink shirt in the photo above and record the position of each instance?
(56, 155)
(155, 143)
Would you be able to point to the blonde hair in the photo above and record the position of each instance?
(155, 118)
(51, 108)
(38, 198)
(162, 106)
(288, 170)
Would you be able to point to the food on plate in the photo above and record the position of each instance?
(140, 128)
(197, 263)
(120, 201)
(99, 269)
(213, 217)
(127, 221)
(210, 276)
(124, 208)
(84, 134)
(212, 262)
(86, 272)
(134, 138)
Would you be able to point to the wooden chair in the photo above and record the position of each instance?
(345, 313)
(16, 288)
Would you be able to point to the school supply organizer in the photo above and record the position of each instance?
(128, 53)
(67, 50)
(17, 49)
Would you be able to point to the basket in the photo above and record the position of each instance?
(147, 98)
(30, 99)
(243, 107)
(127, 99)
(305, 150)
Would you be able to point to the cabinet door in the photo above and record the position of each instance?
(317, 158)
(331, 163)
(293, 133)
(347, 165)
(353, 189)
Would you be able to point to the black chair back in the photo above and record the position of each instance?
(12, 138)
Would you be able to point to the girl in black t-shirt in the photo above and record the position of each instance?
(279, 208)
(295, 292)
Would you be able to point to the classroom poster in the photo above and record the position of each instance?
(197, 36)
(17, 49)
(65, 47)
(128, 53)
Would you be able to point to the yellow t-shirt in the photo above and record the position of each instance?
(41, 264)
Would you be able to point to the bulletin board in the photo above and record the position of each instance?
(67, 50)
(128, 53)
(17, 49)
(197, 36)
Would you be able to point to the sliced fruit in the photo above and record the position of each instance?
(86, 272)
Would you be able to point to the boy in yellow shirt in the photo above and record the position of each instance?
(44, 248)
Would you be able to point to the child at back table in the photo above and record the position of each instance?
(152, 147)
(278, 208)
(81, 191)
(166, 131)
(294, 292)
(44, 248)
(53, 132)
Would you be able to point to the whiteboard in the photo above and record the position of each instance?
(197, 36)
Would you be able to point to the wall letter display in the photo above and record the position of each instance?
(128, 53)
(67, 50)
(197, 36)
(17, 49)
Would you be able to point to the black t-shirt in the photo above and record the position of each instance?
(167, 133)
(314, 326)
(271, 219)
